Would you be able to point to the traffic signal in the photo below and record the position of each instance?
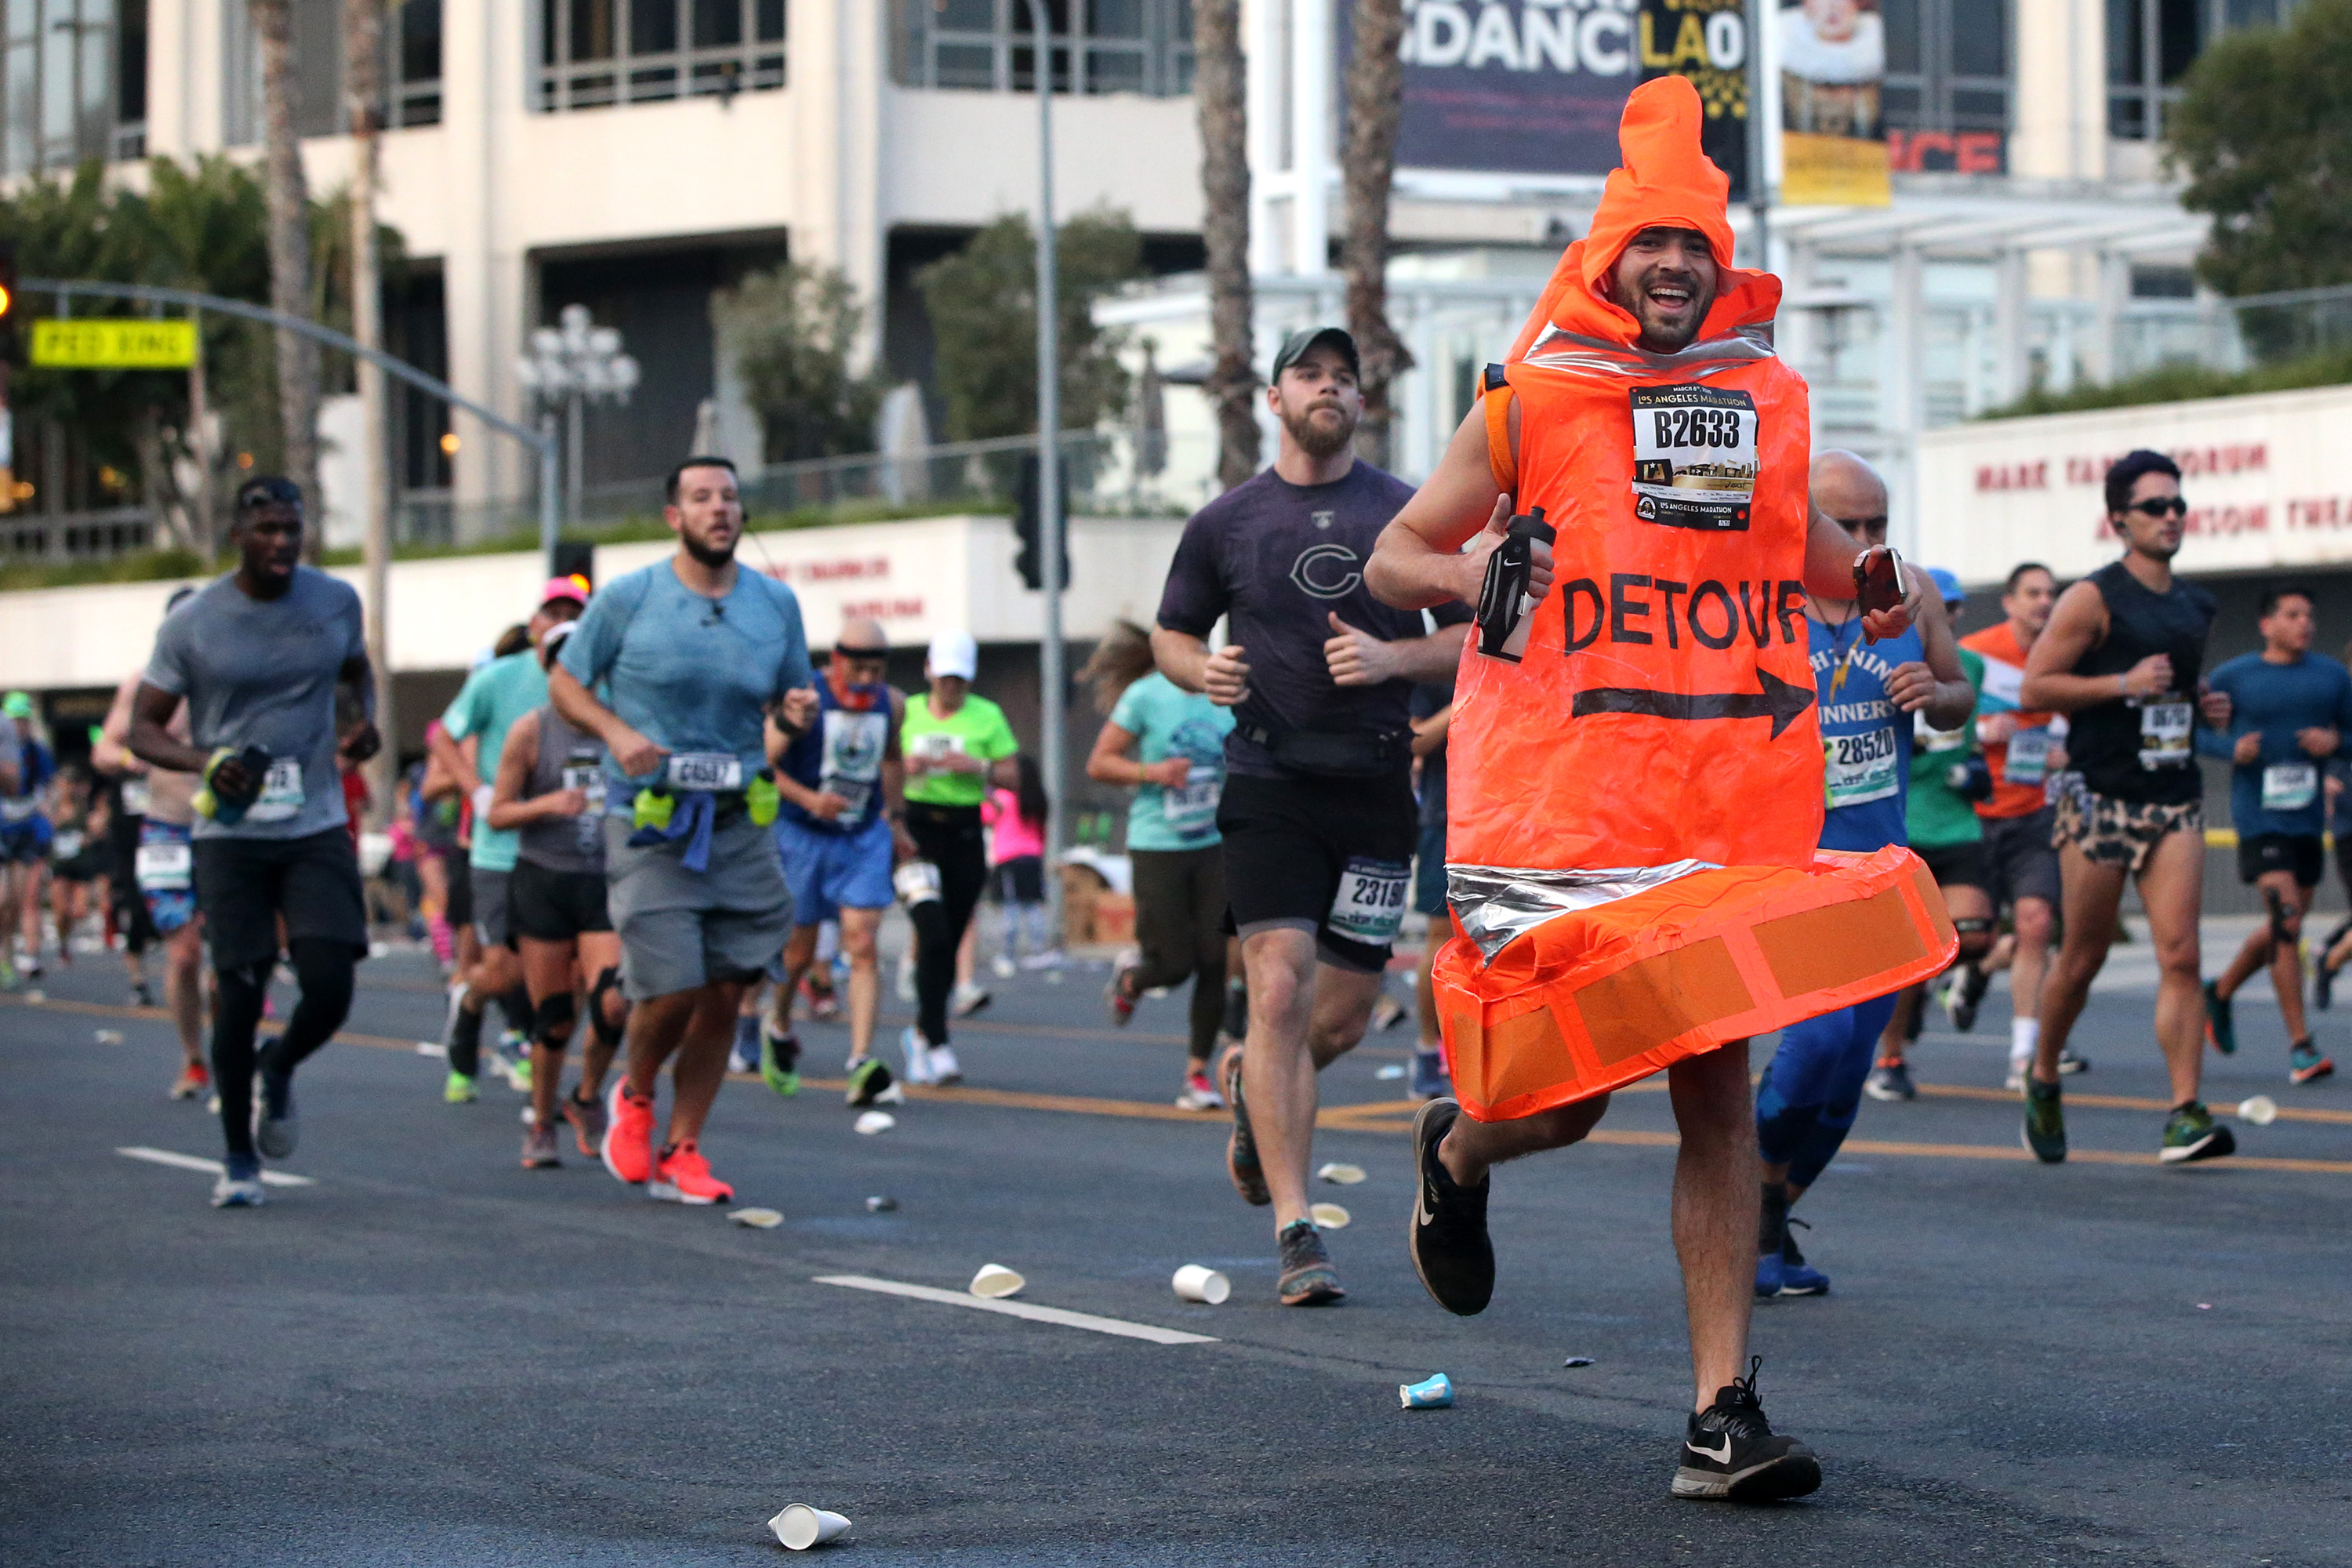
(574, 558)
(8, 296)
(1028, 521)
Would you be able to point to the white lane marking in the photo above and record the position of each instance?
(1068, 1320)
(209, 1167)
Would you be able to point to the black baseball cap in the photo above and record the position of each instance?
(1294, 349)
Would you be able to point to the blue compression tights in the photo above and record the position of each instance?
(1812, 1091)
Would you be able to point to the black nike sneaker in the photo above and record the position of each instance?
(1448, 1240)
(1731, 1453)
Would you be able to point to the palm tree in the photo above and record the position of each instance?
(1367, 166)
(1219, 81)
(289, 251)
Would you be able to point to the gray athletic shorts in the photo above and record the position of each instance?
(682, 929)
(490, 922)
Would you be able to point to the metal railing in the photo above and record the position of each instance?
(62, 537)
(1115, 473)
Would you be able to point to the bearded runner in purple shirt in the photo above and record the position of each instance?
(1317, 813)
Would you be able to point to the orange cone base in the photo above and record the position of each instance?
(1596, 999)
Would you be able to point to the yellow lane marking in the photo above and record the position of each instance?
(1366, 1118)
(2129, 1103)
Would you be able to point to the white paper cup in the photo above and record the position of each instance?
(874, 1121)
(110, 1037)
(1340, 1175)
(757, 1219)
(1199, 1282)
(994, 1280)
(2259, 1112)
(1328, 1216)
(800, 1527)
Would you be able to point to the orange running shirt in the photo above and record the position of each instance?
(2004, 679)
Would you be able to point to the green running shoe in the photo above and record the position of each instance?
(779, 1061)
(2220, 1027)
(2191, 1133)
(2045, 1121)
(867, 1080)
(459, 1090)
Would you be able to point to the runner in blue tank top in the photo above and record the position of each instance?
(842, 787)
(1868, 693)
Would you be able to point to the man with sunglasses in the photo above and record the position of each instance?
(2120, 658)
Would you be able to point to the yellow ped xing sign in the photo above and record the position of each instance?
(114, 344)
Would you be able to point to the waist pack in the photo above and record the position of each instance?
(1333, 753)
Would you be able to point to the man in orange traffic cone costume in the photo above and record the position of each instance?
(1635, 790)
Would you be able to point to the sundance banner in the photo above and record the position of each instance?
(1707, 41)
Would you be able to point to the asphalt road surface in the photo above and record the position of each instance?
(429, 1355)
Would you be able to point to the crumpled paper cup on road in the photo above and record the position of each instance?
(1328, 1216)
(2259, 1111)
(1340, 1175)
(1431, 1393)
(800, 1527)
(995, 1281)
(874, 1121)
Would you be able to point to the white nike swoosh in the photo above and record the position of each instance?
(1426, 1215)
(1722, 1458)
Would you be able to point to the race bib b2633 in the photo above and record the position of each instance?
(1694, 457)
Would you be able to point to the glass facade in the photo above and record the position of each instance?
(1095, 46)
(75, 83)
(594, 54)
(2151, 45)
(1948, 64)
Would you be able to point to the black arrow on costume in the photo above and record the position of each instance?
(1775, 699)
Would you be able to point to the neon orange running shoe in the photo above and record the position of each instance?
(194, 1081)
(629, 1134)
(683, 1176)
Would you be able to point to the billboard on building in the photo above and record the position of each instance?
(2262, 477)
(1530, 87)
(1833, 58)
(1706, 41)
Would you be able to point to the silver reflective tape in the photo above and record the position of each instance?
(1556, 350)
(1497, 903)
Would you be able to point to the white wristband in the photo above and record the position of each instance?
(482, 793)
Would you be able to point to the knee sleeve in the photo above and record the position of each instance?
(608, 1033)
(553, 1019)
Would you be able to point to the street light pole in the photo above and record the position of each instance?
(569, 367)
(1052, 717)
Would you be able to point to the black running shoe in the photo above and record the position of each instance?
(1731, 1453)
(276, 1128)
(2045, 1121)
(1451, 1250)
(1967, 994)
(1307, 1279)
(1240, 1149)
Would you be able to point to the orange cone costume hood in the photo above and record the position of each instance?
(1633, 808)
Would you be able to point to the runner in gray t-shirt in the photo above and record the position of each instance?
(258, 658)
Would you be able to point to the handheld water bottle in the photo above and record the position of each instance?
(1506, 613)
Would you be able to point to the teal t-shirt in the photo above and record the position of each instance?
(1933, 817)
(1168, 721)
(488, 705)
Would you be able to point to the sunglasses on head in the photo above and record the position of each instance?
(2161, 505)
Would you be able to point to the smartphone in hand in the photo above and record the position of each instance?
(1879, 579)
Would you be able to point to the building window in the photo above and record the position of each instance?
(1947, 85)
(1096, 46)
(2151, 44)
(597, 53)
(415, 90)
(76, 71)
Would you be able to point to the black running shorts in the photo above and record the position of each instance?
(2303, 854)
(244, 885)
(554, 905)
(1330, 855)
